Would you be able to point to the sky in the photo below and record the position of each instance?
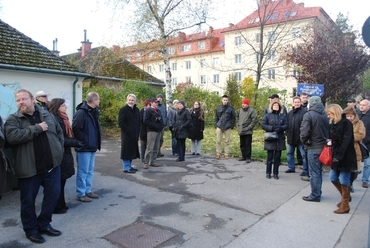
(65, 20)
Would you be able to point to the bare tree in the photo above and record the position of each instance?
(155, 21)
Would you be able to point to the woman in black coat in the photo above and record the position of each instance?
(58, 108)
(275, 120)
(196, 133)
(181, 126)
(129, 122)
(344, 154)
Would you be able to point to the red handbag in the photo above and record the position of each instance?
(326, 156)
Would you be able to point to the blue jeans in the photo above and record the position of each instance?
(290, 157)
(175, 149)
(366, 170)
(85, 172)
(315, 168)
(126, 164)
(29, 188)
(343, 177)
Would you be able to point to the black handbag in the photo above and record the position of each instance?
(364, 151)
(269, 136)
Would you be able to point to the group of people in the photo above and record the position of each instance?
(41, 136)
(148, 125)
(308, 128)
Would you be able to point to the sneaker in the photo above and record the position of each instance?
(305, 178)
(84, 199)
(218, 156)
(303, 174)
(227, 156)
(160, 155)
(365, 185)
(290, 171)
(248, 160)
(154, 165)
(92, 195)
(145, 166)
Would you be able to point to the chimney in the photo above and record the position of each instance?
(181, 35)
(55, 47)
(210, 31)
(231, 24)
(86, 46)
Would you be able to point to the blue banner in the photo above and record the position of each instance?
(311, 89)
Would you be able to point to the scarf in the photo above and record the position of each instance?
(67, 124)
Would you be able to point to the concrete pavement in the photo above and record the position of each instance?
(204, 202)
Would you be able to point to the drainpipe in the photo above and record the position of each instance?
(74, 96)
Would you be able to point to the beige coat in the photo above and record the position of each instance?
(359, 133)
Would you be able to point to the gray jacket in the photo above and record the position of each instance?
(20, 133)
(246, 120)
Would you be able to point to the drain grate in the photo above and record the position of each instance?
(139, 235)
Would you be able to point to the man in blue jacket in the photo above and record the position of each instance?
(86, 129)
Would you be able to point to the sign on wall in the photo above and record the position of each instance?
(311, 89)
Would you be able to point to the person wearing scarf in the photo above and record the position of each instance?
(58, 108)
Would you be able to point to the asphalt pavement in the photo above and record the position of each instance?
(202, 202)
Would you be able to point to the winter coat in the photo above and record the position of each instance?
(246, 120)
(86, 128)
(365, 118)
(314, 130)
(5, 176)
(342, 137)
(20, 134)
(162, 108)
(153, 120)
(129, 122)
(295, 117)
(182, 124)
(143, 127)
(196, 133)
(359, 134)
(275, 121)
(171, 117)
(67, 168)
(225, 117)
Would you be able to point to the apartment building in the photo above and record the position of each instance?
(207, 59)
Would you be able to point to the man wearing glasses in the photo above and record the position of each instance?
(42, 99)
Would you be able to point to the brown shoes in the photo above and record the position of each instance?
(218, 156)
(92, 195)
(227, 156)
(84, 199)
(154, 165)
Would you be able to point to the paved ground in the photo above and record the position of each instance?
(204, 202)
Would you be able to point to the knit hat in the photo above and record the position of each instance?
(182, 102)
(160, 95)
(175, 101)
(245, 101)
(313, 100)
(351, 100)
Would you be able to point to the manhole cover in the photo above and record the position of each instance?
(139, 235)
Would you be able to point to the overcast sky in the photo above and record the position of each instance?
(45, 20)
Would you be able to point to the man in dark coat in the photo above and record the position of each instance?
(295, 117)
(314, 134)
(129, 122)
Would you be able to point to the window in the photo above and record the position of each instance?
(271, 55)
(187, 79)
(238, 58)
(174, 81)
(161, 68)
(149, 69)
(216, 62)
(296, 32)
(151, 54)
(257, 19)
(185, 48)
(238, 76)
(258, 37)
(201, 45)
(238, 40)
(271, 74)
(174, 66)
(202, 63)
(188, 65)
(296, 72)
(203, 79)
(171, 50)
(271, 36)
(274, 16)
(251, 20)
(258, 56)
(216, 78)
